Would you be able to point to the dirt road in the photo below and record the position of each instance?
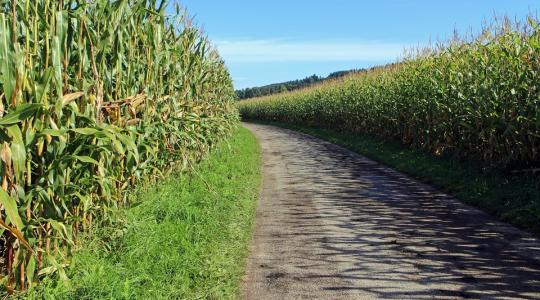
(332, 224)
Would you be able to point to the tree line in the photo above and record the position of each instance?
(289, 85)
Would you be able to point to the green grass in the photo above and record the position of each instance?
(186, 239)
(515, 199)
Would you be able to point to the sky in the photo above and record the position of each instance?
(271, 41)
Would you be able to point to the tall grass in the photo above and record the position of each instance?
(95, 97)
(477, 99)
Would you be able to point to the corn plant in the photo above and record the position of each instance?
(95, 96)
(476, 98)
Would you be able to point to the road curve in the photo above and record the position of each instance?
(332, 224)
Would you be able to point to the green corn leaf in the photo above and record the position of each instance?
(55, 267)
(31, 270)
(18, 152)
(21, 113)
(53, 132)
(6, 59)
(86, 131)
(41, 89)
(61, 228)
(86, 159)
(61, 26)
(10, 206)
(57, 66)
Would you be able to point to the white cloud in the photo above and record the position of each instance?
(307, 51)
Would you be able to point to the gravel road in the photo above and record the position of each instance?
(332, 224)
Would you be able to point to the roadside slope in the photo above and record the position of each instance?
(332, 224)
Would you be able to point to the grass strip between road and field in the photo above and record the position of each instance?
(511, 198)
(187, 238)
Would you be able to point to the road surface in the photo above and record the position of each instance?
(332, 224)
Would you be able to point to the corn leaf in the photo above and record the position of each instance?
(10, 207)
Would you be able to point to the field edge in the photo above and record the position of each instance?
(193, 248)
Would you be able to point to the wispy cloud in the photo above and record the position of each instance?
(306, 51)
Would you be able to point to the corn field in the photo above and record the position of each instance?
(475, 98)
(95, 97)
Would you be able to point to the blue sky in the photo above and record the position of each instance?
(271, 41)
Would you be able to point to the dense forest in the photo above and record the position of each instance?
(289, 85)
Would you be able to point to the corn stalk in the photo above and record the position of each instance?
(96, 96)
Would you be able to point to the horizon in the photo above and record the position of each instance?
(259, 51)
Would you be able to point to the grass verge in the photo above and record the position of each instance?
(186, 238)
(511, 198)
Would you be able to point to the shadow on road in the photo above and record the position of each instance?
(359, 228)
